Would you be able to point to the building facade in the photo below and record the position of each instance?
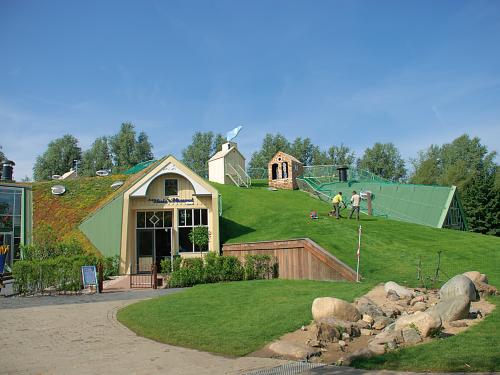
(151, 219)
(283, 170)
(15, 218)
(228, 166)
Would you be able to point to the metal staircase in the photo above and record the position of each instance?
(239, 176)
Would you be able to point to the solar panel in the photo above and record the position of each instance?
(102, 173)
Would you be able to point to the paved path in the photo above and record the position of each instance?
(80, 335)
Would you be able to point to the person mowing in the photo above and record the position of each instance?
(337, 200)
(355, 200)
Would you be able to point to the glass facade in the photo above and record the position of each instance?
(11, 220)
(189, 218)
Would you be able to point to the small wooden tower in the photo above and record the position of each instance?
(283, 170)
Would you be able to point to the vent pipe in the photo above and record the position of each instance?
(7, 170)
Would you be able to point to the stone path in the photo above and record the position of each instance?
(80, 335)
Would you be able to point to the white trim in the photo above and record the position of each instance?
(170, 168)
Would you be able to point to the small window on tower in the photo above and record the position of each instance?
(171, 186)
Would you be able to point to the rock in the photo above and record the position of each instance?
(391, 345)
(332, 329)
(303, 328)
(476, 276)
(425, 323)
(392, 313)
(366, 332)
(362, 324)
(342, 344)
(381, 322)
(366, 306)
(420, 306)
(401, 291)
(315, 344)
(362, 353)
(390, 328)
(459, 285)
(417, 299)
(486, 289)
(385, 337)
(377, 349)
(288, 349)
(411, 336)
(450, 309)
(403, 303)
(367, 318)
(458, 324)
(346, 337)
(392, 296)
(330, 307)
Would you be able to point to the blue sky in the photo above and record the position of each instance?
(357, 72)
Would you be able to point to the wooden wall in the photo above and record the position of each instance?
(297, 259)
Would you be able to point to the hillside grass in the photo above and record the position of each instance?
(65, 212)
(238, 318)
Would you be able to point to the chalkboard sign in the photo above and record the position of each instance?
(89, 276)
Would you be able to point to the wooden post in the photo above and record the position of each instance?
(369, 203)
(100, 277)
(154, 276)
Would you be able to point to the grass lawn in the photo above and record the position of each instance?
(231, 318)
(238, 318)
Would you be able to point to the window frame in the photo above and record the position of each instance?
(176, 187)
(193, 225)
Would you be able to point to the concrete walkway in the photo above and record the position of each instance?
(80, 335)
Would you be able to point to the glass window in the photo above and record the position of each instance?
(204, 217)
(197, 220)
(141, 219)
(185, 218)
(5, 223)
(171, 186)
(184, 244)
(149, 221)
(17, 205)
(6, 204)
(168, 218)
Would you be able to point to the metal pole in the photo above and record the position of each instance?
(358, 254)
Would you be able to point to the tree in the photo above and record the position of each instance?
(270, 146)
(126, 150)
(467, 164)
(384, 160)
(203, 146)
(341, 155)
(303, 149)
(143, 148)
(96, 158)
(320, 157)
(123, 147)
(58, 158)
(199, 237)
(2, 155)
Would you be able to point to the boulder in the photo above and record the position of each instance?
(332, 329)
(385, 337)
(420, 306)
(417, 299)
(291, 350)
(411, 336)
(424, 323)
(330, 307)
(377, 349)
(366, 332)
(476, 276)
(459, 285)
(450, 309)
(362, 324)
(401, 291)
(368, 319)
(381, 322)
(366, 306)
(362, 353)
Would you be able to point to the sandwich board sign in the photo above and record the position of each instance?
(89, 277)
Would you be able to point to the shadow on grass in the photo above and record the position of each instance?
(230, 229)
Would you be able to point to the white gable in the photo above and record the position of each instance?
(170, 168)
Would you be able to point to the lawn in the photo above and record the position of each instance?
(233, 318)
(238, 318)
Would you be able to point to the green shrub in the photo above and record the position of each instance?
(213, 265)
(231, 269)
(166, 265)
(260, 267)
(55, 274)
(111, 266)
(50, 249)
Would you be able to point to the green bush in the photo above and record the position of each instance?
(231, 269)
(111, 266)
(50, 249)
(260, 267)
(55, 274)
(166, 265)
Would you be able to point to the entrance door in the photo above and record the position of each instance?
(153, 238)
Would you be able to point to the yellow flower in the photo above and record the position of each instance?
(4, 249)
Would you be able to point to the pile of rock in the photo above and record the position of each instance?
(405, 317)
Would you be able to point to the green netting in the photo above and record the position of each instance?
(139, 167)
(257, 173)
(330, 172)
(436, 206)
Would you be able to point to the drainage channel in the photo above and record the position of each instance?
(292, 368)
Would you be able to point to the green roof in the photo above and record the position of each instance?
(139, 167)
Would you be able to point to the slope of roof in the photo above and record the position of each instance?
(222, 153)
(291, 157)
